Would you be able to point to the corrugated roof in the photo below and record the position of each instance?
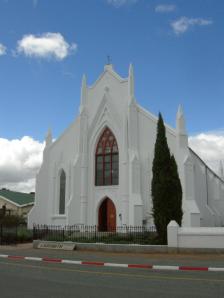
(18, 198)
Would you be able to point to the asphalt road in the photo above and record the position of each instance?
(32, 279)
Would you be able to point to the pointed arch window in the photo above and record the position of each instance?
(62, 192)
(107, 160)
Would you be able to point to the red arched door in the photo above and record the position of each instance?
(107, 216)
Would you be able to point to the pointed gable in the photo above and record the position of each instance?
(111, 85)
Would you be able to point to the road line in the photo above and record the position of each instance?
(51, 260)
(16, 257)
(140, 266)
(93, 263)
(215, 269)
(115, 265)
(164, 267)
(33, 259)
(71, 262)
(193, 268)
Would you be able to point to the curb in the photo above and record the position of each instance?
(136, 248)
(139, 266)
(129, 248)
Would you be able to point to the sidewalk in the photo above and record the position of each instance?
(195, 260)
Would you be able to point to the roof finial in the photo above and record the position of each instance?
(180, 111)
(48, 138)
(131, 84)
(109, 60)
(108, 65)
(221, 171)
(83, 94)
(180, 121)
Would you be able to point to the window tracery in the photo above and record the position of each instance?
(107, 160)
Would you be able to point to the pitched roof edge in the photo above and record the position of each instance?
(113, 73)
(204, 163)
(155, 119)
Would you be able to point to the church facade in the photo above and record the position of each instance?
(99, 171)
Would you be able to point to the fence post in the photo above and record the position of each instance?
(172, 234)
(34, 233)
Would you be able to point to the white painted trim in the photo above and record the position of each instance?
(59, 216)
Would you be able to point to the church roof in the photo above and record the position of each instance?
(17, 198)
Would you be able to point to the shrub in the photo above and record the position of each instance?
(24, 235)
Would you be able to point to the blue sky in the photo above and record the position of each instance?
(170, 68)
(176, 48)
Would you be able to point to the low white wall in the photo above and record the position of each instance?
(194, 237)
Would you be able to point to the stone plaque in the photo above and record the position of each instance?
(56, 245)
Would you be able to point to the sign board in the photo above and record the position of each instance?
(56, 245)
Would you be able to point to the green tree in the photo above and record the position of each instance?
(166, 187)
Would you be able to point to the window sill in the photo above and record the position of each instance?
(106, 186)
(59, 216)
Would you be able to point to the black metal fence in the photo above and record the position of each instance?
(91, 234)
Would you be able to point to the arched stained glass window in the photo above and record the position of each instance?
(107, 160)
(62, 192)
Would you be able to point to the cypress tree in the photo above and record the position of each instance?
(166, 187)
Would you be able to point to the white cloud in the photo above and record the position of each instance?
(2, 49)
(20, 161)
(119, 3)
(181, 25)
(47, 45)
(165, 8)
(24, 186)
(210, 147)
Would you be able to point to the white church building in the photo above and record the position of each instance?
(99, 171)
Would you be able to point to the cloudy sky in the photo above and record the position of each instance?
(176, 48)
